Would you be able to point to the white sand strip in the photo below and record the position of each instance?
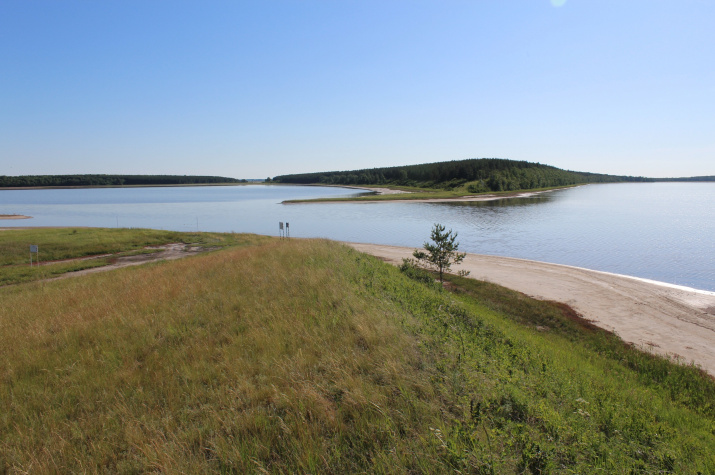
(666, 319)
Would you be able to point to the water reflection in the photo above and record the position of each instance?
(659, 231)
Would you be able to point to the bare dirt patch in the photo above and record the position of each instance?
(166, 252)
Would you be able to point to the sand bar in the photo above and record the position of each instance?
(14, 216)
(396, 197)
(377, 189)
(487, 197)
(666, 319)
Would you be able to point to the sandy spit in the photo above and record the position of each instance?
(666, 319)
(376, 189)
(523, 194)
(14, 216)
(387, 191)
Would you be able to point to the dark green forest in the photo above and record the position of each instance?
(480, 175)
(110, 180)
(692, 178)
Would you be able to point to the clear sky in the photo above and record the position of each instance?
(251, 89)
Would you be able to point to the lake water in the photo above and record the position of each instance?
(659, 231)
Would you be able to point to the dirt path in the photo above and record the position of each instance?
(167, 252)
(666, 319)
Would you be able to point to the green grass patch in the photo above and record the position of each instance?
(304, 356)
(68, 243)
(559, 321)
(20, 274)
(62, 244)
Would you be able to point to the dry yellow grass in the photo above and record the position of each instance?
(308, 357)
(244, 360)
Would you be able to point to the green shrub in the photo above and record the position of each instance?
(410, 268)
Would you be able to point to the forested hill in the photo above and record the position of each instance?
(110, 180)
(479, 175)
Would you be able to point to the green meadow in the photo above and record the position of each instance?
(305, 356)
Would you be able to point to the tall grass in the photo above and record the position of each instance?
(244, 360)
(308, 357)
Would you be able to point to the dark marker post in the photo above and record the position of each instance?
(34, 248)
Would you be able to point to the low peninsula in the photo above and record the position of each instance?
(459, 180)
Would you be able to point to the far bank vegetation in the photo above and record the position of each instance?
(472, 176)
(24, 181)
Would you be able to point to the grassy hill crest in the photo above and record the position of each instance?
(306, 356)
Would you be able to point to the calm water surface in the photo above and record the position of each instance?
(659, 231)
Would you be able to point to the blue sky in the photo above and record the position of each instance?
(250, 89)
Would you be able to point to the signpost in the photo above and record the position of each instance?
(34, 248)
(284, 231)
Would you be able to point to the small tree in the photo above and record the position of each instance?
(443, 253)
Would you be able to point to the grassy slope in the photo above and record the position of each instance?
(304, 356)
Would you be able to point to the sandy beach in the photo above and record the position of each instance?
(488, 197)
(14, 216)
(396, 196)
(658, 317)
(378, 190)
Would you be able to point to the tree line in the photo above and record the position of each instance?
(481, 175)
(691, 178)
(110, 180)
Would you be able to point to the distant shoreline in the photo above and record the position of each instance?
(119, 186)
(14, 216)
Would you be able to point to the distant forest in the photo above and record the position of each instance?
(110, 180)
(479, 175)
(692, 178)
